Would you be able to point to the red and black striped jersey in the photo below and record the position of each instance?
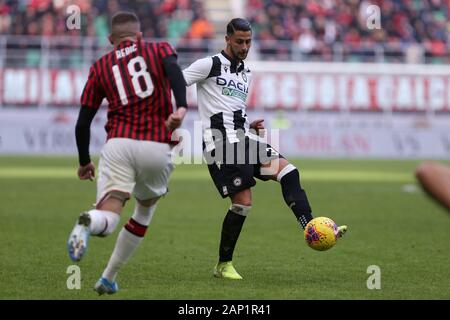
(133, 80)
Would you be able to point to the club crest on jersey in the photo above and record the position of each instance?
(244, 77)
(226, 69)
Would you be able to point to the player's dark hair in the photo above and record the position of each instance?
(122, 17)
(238, 24)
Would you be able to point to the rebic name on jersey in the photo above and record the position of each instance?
(222, 90)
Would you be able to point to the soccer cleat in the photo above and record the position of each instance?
(341, 231)
(104, 286)
(79, 237)
(226, 270)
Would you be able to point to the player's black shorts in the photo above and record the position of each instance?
(235, 171)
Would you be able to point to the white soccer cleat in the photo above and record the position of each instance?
(79, 237)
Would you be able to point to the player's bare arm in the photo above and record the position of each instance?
(435, 179)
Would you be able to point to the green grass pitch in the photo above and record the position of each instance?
(402, 232)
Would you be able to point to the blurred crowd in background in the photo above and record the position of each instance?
(325, 30)
(318, 24)
(171, 19)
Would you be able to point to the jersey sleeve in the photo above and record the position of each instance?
(93, 92)
(165, 50)
(198, 71)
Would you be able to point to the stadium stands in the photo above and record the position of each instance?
(300, 30)
(337, 29)
(160, 19)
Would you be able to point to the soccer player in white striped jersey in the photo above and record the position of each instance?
(233, 154)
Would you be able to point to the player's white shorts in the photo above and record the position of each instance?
(138, 168)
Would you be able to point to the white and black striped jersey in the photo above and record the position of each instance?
(222, 90)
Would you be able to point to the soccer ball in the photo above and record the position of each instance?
(321, 233)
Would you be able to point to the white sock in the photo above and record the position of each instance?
(142, 214)
(103, 222)
(128, 240)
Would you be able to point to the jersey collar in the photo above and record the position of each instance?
(125, 43)
(233, 63)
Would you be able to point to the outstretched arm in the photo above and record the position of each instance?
(435, 179)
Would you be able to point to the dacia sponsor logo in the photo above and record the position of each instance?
(232, 88)
(234, 93)
(232, 84)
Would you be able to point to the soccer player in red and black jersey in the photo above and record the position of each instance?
(137, 79)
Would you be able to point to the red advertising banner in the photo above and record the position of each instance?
(35, 87)
(360, 92)
(324, 90)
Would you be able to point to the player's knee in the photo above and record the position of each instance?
(241, 209)
(243, 197)
(144, 210)
(148, 202)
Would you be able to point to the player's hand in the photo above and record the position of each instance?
(257, 125)
(175, 120)
(87, 172)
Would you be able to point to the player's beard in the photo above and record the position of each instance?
(242, 55)
(239, 55)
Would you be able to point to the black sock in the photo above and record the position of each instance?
(295, 197)
(231, 228)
